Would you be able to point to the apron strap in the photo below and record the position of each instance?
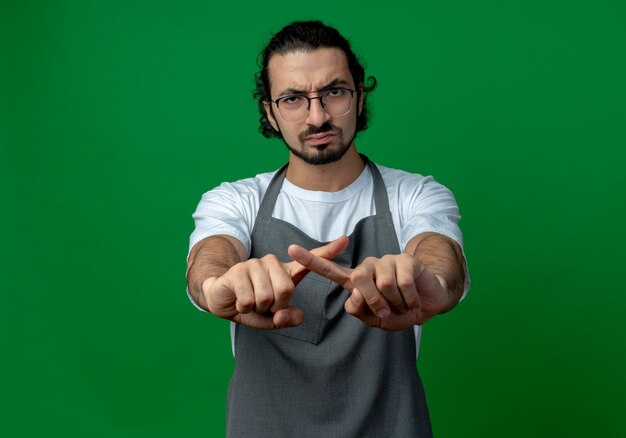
(381, 200)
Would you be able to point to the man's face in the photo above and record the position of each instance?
(319, 138)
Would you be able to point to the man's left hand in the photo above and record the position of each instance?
(393, 292)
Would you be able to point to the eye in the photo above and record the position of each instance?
(290, 101)
(336, 92)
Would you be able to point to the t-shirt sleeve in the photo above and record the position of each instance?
(222, 210)
(428, 206)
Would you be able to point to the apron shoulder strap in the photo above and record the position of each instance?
(381, 199)
(268, 201)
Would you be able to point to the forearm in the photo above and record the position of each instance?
(210, 257)
(444, 258)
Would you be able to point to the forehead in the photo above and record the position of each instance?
(308, 71)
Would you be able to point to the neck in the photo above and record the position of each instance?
(330, 177)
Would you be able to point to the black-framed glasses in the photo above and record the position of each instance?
(295, 107)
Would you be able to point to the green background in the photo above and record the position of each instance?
(115, 116)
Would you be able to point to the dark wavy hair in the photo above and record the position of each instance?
(307, 36)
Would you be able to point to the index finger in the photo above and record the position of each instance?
(328, 251)
(321, 266)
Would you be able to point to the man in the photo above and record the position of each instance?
(325, 325)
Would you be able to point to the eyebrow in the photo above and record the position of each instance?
(331, 84)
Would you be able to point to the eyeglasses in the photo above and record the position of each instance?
(295, 107)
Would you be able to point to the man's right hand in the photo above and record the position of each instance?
(257, 292)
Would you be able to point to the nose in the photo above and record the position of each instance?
(317, 114)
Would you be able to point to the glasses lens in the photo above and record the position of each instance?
(293, 108)
(337, 102)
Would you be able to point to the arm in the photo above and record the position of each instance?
(443, 256)
(254, 292)
(211, 257)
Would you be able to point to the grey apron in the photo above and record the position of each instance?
(332, 376)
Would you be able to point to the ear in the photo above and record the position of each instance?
(360, 98)
(270, 115)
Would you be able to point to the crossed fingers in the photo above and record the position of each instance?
(257, 292)
(385, 291)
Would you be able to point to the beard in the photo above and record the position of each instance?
(322, 153)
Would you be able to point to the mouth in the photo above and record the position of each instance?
(320, 138)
